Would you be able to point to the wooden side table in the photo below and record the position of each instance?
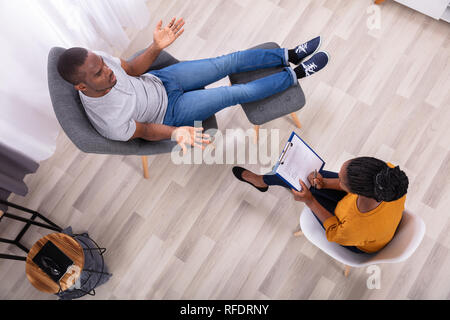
(88, 272)
(39, 279)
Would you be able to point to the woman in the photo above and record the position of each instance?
(359, 208)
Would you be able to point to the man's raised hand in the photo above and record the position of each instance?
(163, 37)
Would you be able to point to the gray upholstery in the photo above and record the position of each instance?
(73, 119)
(273, 107)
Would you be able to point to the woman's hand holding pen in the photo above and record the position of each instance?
(304, 195)
(318, 182)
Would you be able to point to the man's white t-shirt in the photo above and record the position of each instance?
(141, 99)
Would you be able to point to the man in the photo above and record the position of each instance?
(123, 102)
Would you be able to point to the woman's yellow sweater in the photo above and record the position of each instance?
(368, 231)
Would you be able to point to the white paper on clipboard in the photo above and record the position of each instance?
(298, 162)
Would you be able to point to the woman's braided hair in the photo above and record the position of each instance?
(373, 178)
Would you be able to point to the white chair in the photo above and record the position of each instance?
(409, 234)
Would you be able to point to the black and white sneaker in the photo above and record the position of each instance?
(306, 49)
(317, 62)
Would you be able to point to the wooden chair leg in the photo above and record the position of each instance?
(255, 140)
(299, 233)
(347, 271)
(296, 121)
(145, 166)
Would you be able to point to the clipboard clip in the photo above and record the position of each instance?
(289, 144)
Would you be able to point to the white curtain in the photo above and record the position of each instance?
(28, 29)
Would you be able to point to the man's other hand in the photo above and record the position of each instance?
(192, 136)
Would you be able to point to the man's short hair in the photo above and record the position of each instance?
(69, 62)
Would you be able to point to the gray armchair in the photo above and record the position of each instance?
(73, 119)
(75, 123)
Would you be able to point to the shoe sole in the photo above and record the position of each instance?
(328, 55)
(320, 43)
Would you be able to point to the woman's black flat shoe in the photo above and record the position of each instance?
(237, 171)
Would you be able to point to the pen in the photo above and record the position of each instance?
(315, 177)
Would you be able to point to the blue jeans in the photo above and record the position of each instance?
(184, 82)
(328, 198)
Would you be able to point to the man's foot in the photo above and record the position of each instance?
(316, 63)
(251, 178)
(300, 52)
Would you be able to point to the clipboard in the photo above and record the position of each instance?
(300, 160)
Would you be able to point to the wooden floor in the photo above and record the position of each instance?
(195, 232)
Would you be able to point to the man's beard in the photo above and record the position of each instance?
(107, 88)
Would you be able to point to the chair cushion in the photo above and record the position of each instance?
(75, 123)
(273, 107)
